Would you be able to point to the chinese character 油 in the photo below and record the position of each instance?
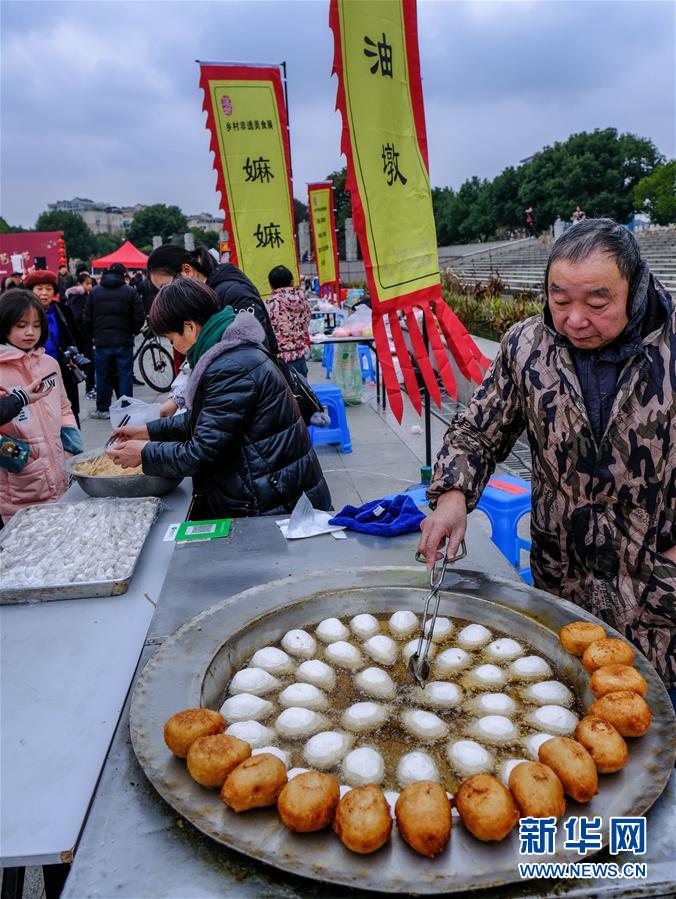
(384, 53)
(258, 169)
(268, 236)
(537, 836)
(391, 165)
(583, 834)
(628, 835)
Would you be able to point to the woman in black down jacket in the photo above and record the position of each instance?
(242, 439)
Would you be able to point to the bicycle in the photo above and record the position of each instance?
(155, 362)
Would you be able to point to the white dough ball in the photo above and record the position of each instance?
(364, 626)
(415, 766)
(553, 719)
(443, 629)
(439, 695)
(326, 749)
(317, 673)
(363, 766)
(305, 696)
(274, 750)
(549, 692)
(255, 681)
(412, 646)
(344, 655)
(473, 636)
(504, 649)
(493, 704)
(295, 723)
(252, 732)
(529, 668)
(331, 629)
(506, 769)
(533, 743)
(425, 726)
(246, 707)
(343, 788)
(375, 682)
(382, 649)
(467, 758)
(299, 643)
(496, 729)
(272, 660)
(486, 676)
(403, 624)
(364, 716)
(294, 772)
(391, 797)
(450, 661)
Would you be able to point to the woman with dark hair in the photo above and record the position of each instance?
(76, 299)
(48, 427)
(231, 286)
(63, 330)
(242, 438)
(290, 315)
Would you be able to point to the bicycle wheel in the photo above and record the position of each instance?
(157, 367)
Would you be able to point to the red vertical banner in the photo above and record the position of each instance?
(380, 98)
(323, 227)
(246, 115)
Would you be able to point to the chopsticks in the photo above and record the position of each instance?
(111, 440)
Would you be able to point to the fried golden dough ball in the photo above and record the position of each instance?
(486, 807)
(308, 802)
(185, 727)
(617, 678)
(363, 819)
(606, 652)
(627, 712)
(603, 743)
(254, 783)
(537, 791)
(573, 765)
(423, 814)
(577, 636)
(210, 759)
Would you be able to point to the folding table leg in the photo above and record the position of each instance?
(12, 883)
(55, 878)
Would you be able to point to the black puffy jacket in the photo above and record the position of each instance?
(233, 288)
(242, 440)
(113, 313)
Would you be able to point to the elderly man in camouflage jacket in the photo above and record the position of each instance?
(592, 381)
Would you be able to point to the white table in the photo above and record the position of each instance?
(65, 671)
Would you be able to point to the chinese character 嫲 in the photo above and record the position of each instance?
(268, 236)
(258, 169)
(383, 52)
(391, 165)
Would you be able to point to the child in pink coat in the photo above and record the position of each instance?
(48, 427)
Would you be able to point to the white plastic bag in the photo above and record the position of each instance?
(138, 411)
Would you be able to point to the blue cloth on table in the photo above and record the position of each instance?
(382, 517)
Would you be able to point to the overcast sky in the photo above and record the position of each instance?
(101, 99)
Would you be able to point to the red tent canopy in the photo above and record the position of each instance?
(127, 254)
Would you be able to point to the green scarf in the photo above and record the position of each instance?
(211, 333)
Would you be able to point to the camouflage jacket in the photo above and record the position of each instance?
(602, 515)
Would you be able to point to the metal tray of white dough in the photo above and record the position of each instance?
(194, 666)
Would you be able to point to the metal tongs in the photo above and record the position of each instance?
(111, 440)
(418, 664)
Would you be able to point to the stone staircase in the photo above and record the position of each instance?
(521, 263)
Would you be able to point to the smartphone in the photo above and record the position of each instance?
(48, 381)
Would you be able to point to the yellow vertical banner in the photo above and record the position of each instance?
(322, 222)
(376, 59)
(246, 115)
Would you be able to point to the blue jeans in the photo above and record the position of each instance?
(114, 366)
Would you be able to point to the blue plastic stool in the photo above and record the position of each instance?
(327, 358)
(368, 372)
(505, 500)
(337, 431)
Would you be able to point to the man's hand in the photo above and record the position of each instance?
(34, 391)
(127, 454)
(130, 432)
(449, 520)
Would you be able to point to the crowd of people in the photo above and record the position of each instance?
(234, 425)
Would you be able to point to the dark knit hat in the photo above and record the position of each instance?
(117, 269)
(39, 276)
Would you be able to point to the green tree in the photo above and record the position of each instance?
(343, 206)
(656, 194)
(6, 228)
(162, 220)
(108, 243)
(209, 239)
(80, 241)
